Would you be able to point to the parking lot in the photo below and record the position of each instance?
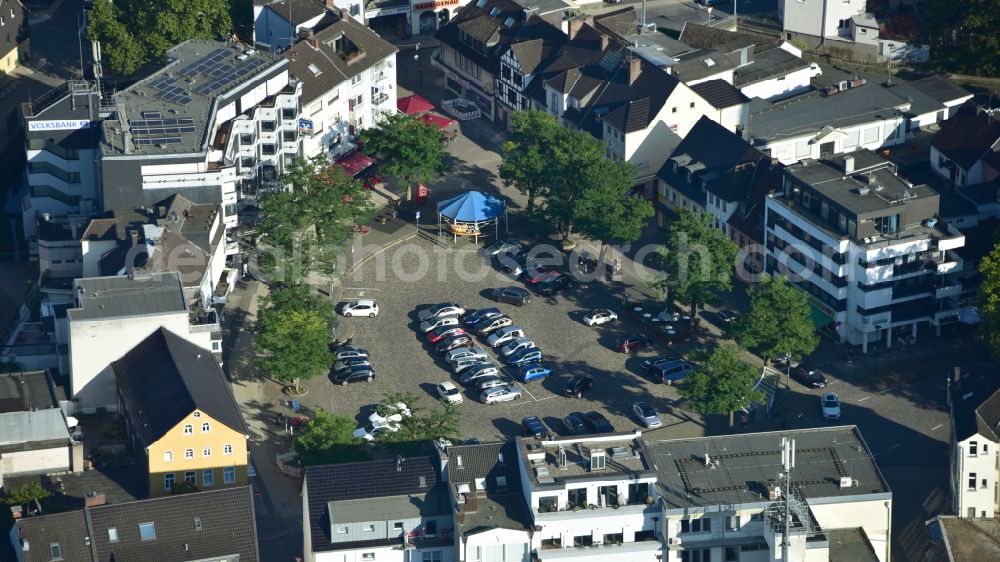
(404, 362)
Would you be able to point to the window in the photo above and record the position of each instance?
(733, 522)
(206, 427)
(696, 555)
(227, 449)
(434, 556)
(267, 149)
(190, 477)
(984, 447)
(113, 534)
(548, 503)
(692, 105)
(168, 481)
(197, 523)
(288, 136)
(267, 126)
(334, 97)
(55, 551)
(368, 528)
(700, 525)
(246, 139)
(208, 477)
(368, 556)
(673, 110)
(287, 113)
(147, 531)
(397, 526)
(577, 497)
(189, 453)
(984, 484)
(972, 448)
(188, 429)
(972, 480)
(168, 456)
(731, 554)
(341, 530)
(355, 80)
(871, 134)
(206, 452)
(431, 528)
(229, 475)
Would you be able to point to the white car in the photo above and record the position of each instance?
(463, 365)
(599, 316)
(435, 323)
(450, 393)
(390, 413)
(477, 353)
(515, 345)
(439, 310)
(504, 247)
(373, 429)
(499, 394)
(365, 307)
(830, 406)
(505, 336)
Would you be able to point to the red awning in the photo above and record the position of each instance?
(414, 105)
(355, 162)
(440, 122)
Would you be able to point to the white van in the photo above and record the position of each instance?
(505, 335)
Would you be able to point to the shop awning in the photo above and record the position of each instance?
(355, 162)
(437, 120)
(820, 319)
(414, 105)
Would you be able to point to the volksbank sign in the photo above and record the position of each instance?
(66, 125)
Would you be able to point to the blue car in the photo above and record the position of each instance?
(532, 371)
(525, 356)
(481, 314)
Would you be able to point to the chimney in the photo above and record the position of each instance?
(330, 5)
(313, 42)
(134, 233)
(93, 499)
(605, 41)
(634, 68)
(848, 164)
(575, 24)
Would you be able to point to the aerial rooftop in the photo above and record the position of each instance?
(173, 110)
(118, 296)
(486, 484)
(742, 465)
(29, 390)
(623, 452)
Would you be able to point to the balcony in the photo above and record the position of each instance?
(607, 551)
(948, 291)
(379, 99)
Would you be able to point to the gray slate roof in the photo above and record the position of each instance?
(25, 391)
(496, 506)
(300, 10)
(165, 377)
(767, 65)
(719, 93)
(975, 404)
(226, 518)
(118, 296)
(747, 462)
(701, 36)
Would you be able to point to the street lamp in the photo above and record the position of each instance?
(888, 63)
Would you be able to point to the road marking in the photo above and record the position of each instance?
(937, 427)
(362, 289)
(863, 399)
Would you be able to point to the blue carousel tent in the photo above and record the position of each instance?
(465, 213)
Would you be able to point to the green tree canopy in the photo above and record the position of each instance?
(989, 299)
(282, 299)
(293, 344)
(722, 383)
(779, 320)
(606, 211)
(26, 493)
(964, 35)
(413, 151)
(524, 162)
(422, 425)
(697, 259)
(328, 439)
(135, 32)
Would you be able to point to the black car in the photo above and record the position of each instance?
(444, 346)
(573, 424)
(577, 385)
(631, 342)
(554, 285)
(512, 295)
(354, 374)
(598, 423)
(653, 362)
(478, 315)
(532, 426)
(809, 376)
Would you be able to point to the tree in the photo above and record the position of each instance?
(577, 164)
(697, 259)
(26, 493)
(524, 161)
(135, 32)
(989, 299)
(184, 487)
(328, 439)
(964, 35)
(722, 383)
(293, 344)
(412, 150)
(422, 425)
(284, 298)
(779, 320)
(606, 211)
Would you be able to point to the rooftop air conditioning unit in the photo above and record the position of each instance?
(864, 191)
(846, 482)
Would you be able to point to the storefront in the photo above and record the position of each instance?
(427, 17)
(389, 18)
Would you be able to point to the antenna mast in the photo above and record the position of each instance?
(787, 464)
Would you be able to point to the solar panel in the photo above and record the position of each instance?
(205, 63)
(151, 114)
(159, 140)
(161, 83)
(232, 75)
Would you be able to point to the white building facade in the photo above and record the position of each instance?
(818, 18)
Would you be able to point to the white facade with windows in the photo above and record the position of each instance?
(819, 18)
(975, 477)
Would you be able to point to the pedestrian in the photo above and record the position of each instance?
(395, 211)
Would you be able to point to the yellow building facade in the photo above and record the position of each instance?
(199, 450)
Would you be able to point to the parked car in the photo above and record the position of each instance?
(672, 371)
(390, 412)
(525, 356)
(439, 310)
(366, 307)
(439, 322)
(444, 332)
(532, 371)
(463, 353)
(463, 365)
(504, 336)
(354, 374)
(538, 274)
(574, 424)
(599, 316)
(830, 406)
(631, 342)
(553, 285)
(808, 376)
(598, 423)
(489, 382)
(578, 385)
(647, 417)
(516, 296)
(371, 430)
(350, 362)
(479, 372)
(346, 352)
(481, 314)
(504, 247)
(782, 359)
(450, 393)
(653, 362)
(532, 426)
(726, 316)
(444, 346)
(499, 394)
(492, 325)
(515, 345)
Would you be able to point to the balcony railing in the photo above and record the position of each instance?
(379, 99)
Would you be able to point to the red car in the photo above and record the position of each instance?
(631, 342)
(536, 275)
(444, 332)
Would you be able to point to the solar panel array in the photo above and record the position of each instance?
(205, 63)
(159, 131)
(239, 72)
(168, 91)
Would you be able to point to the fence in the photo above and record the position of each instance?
(282, 462)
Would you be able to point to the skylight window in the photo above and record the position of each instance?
(709, 62)
(315, 70)
(509, 22)
(480, 4)
(495, 12)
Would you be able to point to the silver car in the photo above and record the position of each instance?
(516, 345)
(499, 394)
(461, 353)
(435, 323)
(505, 335)
(440, 310)
(463, 365)
(490, 382)
(477, 373)
(343, 353)
(646, 415)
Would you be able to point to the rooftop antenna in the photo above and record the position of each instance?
(642, 17)
(787, 464)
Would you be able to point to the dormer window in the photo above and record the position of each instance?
(494, 12)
